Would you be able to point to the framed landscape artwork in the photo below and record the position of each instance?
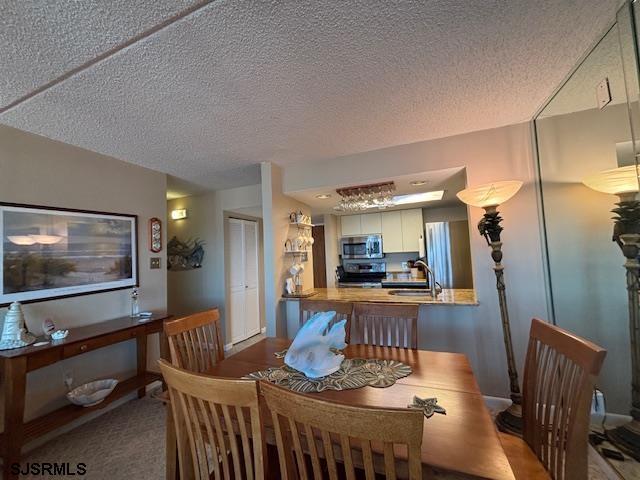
(51, 253)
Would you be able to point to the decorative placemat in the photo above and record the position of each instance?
(354, 373)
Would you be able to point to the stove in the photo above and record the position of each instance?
(361, 275)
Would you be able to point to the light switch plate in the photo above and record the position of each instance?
(154, 263)
(603, 93)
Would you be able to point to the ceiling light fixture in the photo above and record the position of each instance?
(323, 196)
(418, 197)
(417, 183)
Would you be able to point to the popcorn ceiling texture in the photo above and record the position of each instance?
(236, 83)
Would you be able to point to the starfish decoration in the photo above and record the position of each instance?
(281, 354)
(429, 406)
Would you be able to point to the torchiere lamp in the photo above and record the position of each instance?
(623, 182)
(489, 196)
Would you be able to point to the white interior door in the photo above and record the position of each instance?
(251, 303)
(236, 280)
(244, 311)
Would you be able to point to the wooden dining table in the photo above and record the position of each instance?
(463, 443)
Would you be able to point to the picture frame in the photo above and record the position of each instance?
(50, 253)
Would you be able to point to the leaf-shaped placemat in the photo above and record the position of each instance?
(353, 373)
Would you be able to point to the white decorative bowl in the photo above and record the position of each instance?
(92, 393)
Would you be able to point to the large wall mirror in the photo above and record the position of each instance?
(590, 125)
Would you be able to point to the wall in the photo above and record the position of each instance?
(331, 246)
(445, 214)
(39, 171)
(276, 209)
(195, 290)
(498, 154)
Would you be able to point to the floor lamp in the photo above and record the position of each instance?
(489, 197)
(623, 182)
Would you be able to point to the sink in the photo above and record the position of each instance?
(410, 293)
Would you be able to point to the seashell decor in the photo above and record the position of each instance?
(14, 330)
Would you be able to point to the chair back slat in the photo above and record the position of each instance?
(344, 436)
(210, 414)
(344, 310)
(560, 372)
(385, 325)
(195, 341)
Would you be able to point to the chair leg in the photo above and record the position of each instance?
(171, 448)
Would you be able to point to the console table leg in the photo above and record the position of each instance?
(15, 381)
(164, 353)
(141, 341)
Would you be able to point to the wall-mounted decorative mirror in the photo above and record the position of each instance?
(588, 127)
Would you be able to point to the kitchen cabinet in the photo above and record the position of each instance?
(412, 228)
(371, 223)
(391, 223)
(351, 225)
(400, 229)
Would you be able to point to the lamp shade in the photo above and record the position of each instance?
(490, 194)
(21, 239)
(46, 239)
(615, 181)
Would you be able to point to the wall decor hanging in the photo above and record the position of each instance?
(155, 235)
(51, 252)
(184, 255)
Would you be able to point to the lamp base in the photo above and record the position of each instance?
(627, 438)
(510, 420)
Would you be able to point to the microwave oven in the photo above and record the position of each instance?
(365, 246)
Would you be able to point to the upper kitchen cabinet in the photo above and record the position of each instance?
(412, 229)
(371, 223)
(351, 225)
(401, 230)
(392, 232)
(364, 224)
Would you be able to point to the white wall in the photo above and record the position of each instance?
(490, 155)
(199, 289)
(445, 214)
(276, 210)
(36, 170)
(331, 246)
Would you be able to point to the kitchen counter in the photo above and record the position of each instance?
(382, 295)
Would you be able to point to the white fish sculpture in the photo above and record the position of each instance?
(311, 351)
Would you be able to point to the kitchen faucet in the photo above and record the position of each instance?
(432, 284)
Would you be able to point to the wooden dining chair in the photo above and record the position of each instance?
(386, 325)
(338, 438)
(218, 424)
(195, 341)
(343, 311)
(559, 375)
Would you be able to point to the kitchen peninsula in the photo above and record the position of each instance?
(451, 297)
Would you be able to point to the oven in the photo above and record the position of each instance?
(366, 246)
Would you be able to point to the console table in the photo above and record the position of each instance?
(18, 362)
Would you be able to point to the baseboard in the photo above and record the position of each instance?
(263, 330)
(228, 347)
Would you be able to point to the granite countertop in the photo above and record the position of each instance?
(381, 295)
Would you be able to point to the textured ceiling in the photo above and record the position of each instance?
(213, 89)
(579, 92)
